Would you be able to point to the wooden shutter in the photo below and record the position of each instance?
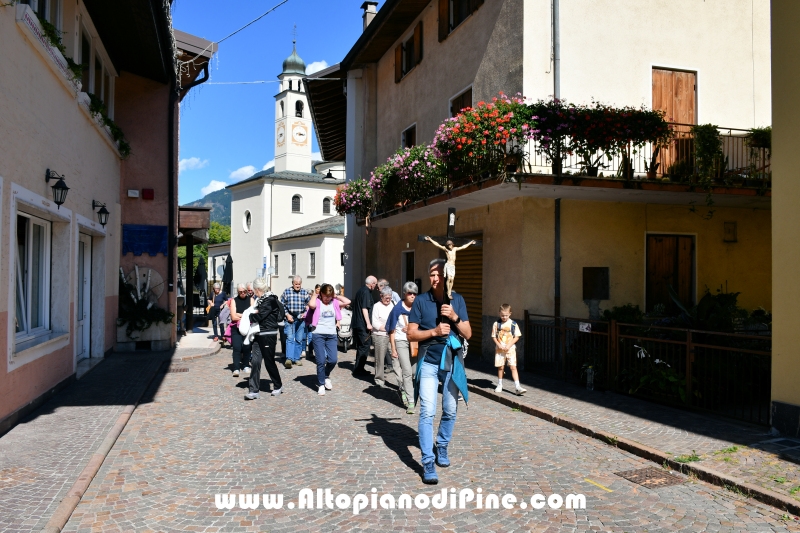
(418, 44)
(444, 19)
(398, 63)
(674, 93)
(469, 284)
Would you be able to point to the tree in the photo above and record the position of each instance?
(217, 234)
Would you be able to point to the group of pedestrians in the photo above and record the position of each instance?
(422, 337)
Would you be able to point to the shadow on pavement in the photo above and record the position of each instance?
(397, 437)
(683, 419)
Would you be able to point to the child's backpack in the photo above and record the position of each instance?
(513, 327)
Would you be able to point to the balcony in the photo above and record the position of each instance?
(737, 175)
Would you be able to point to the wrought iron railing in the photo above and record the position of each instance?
(724, 373)
(740, 164)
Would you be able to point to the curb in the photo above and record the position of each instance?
(210, 351)
(646, 452)
(70, 502)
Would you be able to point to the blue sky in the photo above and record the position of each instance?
(226, 131)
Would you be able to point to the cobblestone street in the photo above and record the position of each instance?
(195, 437)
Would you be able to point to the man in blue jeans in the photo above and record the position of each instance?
(294, 300)
(439, 325)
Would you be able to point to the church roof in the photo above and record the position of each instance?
(286, 175)
(333, 225)
(293, 64)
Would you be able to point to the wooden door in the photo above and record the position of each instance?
(670, 263)
(675, 93)
(469, 284)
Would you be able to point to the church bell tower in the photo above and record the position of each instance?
(292, 118)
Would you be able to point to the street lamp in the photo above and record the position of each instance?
(102, 215)
(331, 177)
(60, 189)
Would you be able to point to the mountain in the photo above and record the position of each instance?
(220, 204)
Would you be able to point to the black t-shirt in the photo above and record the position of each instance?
(220, 299)
(363, 300)
(242, 304)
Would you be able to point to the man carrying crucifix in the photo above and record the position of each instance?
(450, 266)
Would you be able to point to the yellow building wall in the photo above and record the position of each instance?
(786, 198)
(604, 234)
(518, 252)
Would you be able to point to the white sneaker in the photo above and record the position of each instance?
(499, 388)
(521, 391)
(321, 390)
(236, 373)
(328, 384)
(246, 370)
(277, 392)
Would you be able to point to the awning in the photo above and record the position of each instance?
(328, 104)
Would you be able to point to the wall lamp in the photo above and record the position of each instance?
(60, 189)
(331, 177)
(102, 215)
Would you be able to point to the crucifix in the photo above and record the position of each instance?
(452, 244)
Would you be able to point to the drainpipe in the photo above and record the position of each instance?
(557, 94)
(556, 52)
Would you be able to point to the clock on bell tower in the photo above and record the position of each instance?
(292, 118)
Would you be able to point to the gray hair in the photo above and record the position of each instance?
(216, 286)
(382, 283)
(438, 262)
(409, 287)
(249, 285)
(386, 291)
(260, 284)
(370, 280)
(241, 287)
(295, 278)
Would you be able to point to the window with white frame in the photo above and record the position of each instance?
(296, 204)
(32, 276)
(97, 77)
(326, 206)
(49, 10)
(294, 264)
(275, 264)
(312, 263)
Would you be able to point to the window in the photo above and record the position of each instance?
(247, 221)
(408, 54)
(294, 264)
(326, 206)
(86, 58)
(409, 137)
(298, 108)
(283, 112)
(341, 257)
(296, 203)
(462, 101)
(453, 12)
(312, 263)
(32, 276)
(49, 10)
(275, 264)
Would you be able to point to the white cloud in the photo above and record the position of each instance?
(316, 66)
(242, 173)
(192, 163)
(268, 165)
(213, 186)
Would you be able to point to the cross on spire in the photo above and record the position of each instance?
(294, 35)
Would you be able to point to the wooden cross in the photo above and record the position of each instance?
(451, 232)
(443, 243)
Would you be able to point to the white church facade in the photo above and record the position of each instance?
(283, 221)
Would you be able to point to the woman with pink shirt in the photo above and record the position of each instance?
(323, 318)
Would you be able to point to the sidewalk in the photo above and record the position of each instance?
(43, 457)
(738, 454)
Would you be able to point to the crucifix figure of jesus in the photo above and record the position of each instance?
(449, 247)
